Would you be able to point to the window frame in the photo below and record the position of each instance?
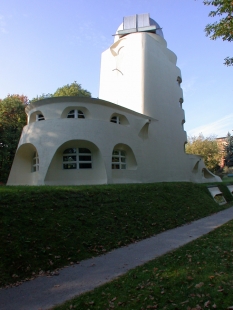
(40, 117)
(76, 114)
(119, 160)
(35, 162)
(78, 160)
(115, 119)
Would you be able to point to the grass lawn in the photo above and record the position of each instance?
(194, 277)
(227, 179)
(45, 228)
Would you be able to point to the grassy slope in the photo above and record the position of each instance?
(44, 228)
(197, 276)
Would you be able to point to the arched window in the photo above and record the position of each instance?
(75, 114)
(118, 159)
(35, 162)
(115, 119)
(39, 117)
(77, 158)
(182, 123)
(119, 119)
(181, 102)
(179, 80)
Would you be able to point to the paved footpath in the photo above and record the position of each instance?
(45, 292)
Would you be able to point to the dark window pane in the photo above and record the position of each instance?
(114, 119)
(69, 158)
(40, 117)
(115, 159)
(84, 158)
(115, 166)
(85, 166)
(70, 116)
(83, 150)
(69, 151)
(80, 114)
(69, 166)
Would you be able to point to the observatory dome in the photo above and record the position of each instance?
(138, 23)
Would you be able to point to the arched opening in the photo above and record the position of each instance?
(182, 123)
(124, 164)
(25, 167)
(123, 158)
(36, 117)
(76, 162)
(181, 100)
(179, 80)
(119, 119)
(75, 112)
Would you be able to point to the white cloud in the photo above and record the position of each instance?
(219, 128)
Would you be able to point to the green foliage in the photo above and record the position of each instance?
(73, 89)
(12, 120)
(229, 150)
(224, 27)
(43, 96)
(207, 148)
(196, 276)
(44, 228)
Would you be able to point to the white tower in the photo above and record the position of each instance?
(139, 72)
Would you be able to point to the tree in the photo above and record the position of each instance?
(43, 96)
(74, 89)
(224, 27)
(12, 121)
(228, 148)
(207, 148)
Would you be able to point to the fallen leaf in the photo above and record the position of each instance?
(207, 303)
(199, 285)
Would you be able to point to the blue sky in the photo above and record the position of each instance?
(47, 44)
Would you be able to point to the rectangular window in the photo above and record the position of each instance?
(83, 159)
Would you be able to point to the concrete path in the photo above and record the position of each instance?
(45, 292)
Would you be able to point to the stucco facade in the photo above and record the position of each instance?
(133, 134)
